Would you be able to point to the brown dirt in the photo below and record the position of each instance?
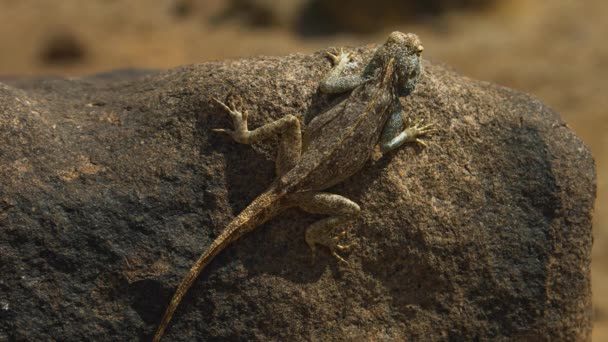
(554, 49)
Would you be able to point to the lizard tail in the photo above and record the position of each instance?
(261, 209)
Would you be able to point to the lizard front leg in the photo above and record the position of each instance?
(323, 232)
(394, 135)
(288, 127)
(334, 82)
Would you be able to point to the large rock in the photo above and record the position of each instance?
(112, 185)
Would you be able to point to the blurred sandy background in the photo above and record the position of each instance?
(554, 49)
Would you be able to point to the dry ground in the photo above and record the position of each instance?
(554, 49)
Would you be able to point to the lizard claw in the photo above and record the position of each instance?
(231, 106)
(341, 236)
(222, 130)
(223, 105)
(337, 256)
(421, 142)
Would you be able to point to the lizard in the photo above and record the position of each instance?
(336, 144)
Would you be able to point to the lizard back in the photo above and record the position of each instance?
(340, 142)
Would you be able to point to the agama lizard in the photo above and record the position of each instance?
(336, 145)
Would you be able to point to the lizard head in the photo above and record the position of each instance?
(406, 49)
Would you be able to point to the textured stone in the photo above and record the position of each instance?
(112, 185)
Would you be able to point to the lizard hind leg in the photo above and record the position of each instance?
(323, 232)
(287, 127)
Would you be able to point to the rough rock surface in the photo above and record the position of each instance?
(112, 185)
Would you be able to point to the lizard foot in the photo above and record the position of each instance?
(239, 119)
(322, 237)
(339, 57)
(414, 130)
(338, 246)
